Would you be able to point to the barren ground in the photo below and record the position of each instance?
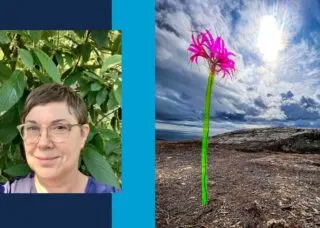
(263, 188)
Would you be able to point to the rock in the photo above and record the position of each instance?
(255, 209)
(275, 139)
(281, 223)
(286, 205)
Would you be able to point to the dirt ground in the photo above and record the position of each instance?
(246, 189)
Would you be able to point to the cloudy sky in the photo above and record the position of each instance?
(277, 78)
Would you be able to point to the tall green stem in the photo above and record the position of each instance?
(205, 138)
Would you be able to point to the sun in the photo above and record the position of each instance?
(270, 36)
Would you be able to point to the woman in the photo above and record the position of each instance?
(54, 131)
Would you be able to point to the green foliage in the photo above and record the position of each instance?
(11, 91)
(18, 170)
(87, 61)
(48, 65)
(98, 166)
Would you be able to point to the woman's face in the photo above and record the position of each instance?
(51, 157)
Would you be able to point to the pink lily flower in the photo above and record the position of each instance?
(217, 56)
(214, 51)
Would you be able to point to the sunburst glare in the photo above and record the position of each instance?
(270, 38)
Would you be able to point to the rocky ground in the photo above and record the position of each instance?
(257, 178)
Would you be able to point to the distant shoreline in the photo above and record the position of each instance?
(282, 139)
(175, 135)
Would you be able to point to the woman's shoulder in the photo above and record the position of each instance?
(94, 186)
(19, 185)
(26, 185)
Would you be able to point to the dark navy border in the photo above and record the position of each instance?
(55, 210)
(57, 14)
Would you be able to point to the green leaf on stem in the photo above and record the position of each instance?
(4, 39)
(11, 91)
(101, 96)
(5, 72)
(18, 170)
(95, 86)
(8, 124)
(111, 62)
(99, 167)
(35, 35)
(100, 37)
(48, 65)
(26, 58)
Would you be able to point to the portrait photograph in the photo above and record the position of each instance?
(60, 111)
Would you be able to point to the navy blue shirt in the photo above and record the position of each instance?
(26, 185)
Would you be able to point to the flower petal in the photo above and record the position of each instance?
(214, 51)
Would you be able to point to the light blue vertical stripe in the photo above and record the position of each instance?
(135, 205)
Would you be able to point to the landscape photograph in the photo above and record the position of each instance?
(237, 113)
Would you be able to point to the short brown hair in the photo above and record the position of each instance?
(53, 92)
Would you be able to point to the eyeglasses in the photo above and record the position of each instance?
(57, 132)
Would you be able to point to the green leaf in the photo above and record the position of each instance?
(112, 102)
(85, 50)
(11, 91)
(35, 35)
(100, 37)
(14, 153)
(5, 71)
(69, 59)
(8, 133)
(83, 90)
(101, 96)
(43, 78)
(116, 46)
(3, 179)
(91, 98)
(72, 78)
(111, 62)
(117, 151)
(59, 58)
(113, 75)
(49, 44)
(93, 76)
(4, 39)
(48, 33)
(92, 133)
(98, 142)
(95, 86)
(80, 33)
(8, 122)
(113, 158)
(20, 105)
(108, 134)
(26, 58)
(113, 145)
(18, 170)
(48, 65)
(98, 167)
(117, 88)
(20, 32)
